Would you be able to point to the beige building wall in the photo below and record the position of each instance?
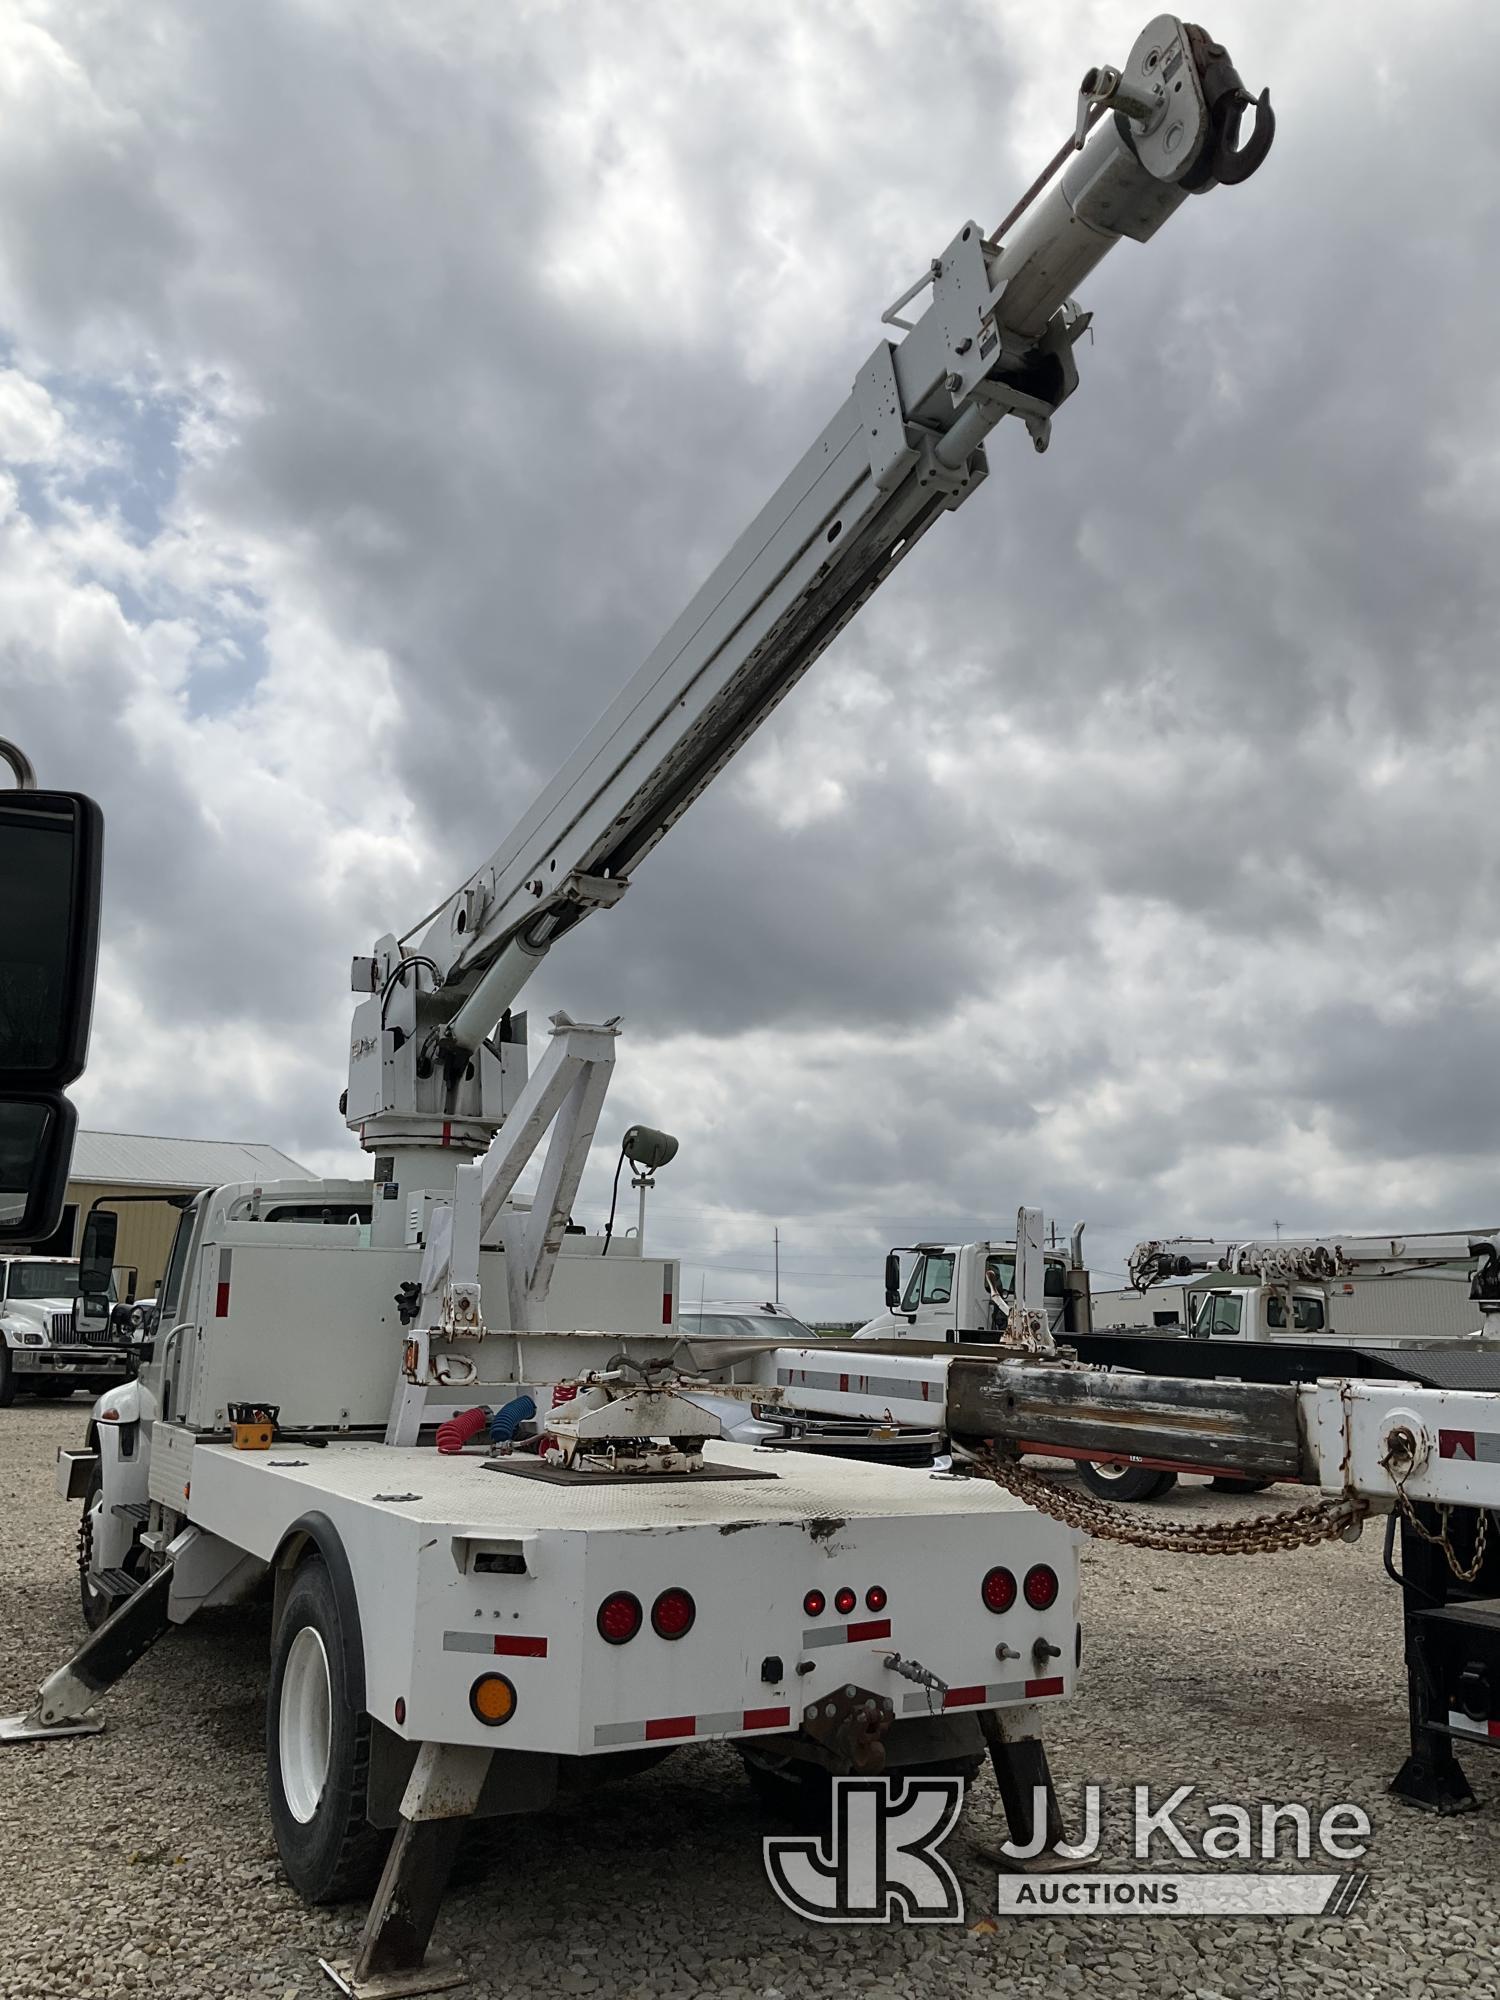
(146, 1230)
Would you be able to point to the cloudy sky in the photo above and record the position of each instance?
(376, 384)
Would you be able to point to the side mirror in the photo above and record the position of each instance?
(96, 1257)
(892, 1281)
(51, 854)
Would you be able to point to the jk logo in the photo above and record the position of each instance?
(879, 1862)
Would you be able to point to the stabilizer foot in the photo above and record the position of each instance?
(440, 1974)
(27, 1729)
(1436, 1784)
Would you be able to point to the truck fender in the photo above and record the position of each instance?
(120, 1405)
(315, 1534)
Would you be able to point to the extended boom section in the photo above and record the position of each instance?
(996, 339)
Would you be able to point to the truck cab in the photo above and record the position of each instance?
(960, 1292)
(45, 1348)
(1217, 1307)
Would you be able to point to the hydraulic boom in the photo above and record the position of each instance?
(436, 1063)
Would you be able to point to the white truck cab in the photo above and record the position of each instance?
(44, 1349)
(963, 1291)
(1216, 1308)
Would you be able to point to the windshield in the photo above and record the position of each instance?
(744, 1326)
(43, 1281)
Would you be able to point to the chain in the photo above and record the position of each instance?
(1465, 1572)
(1296, 1528)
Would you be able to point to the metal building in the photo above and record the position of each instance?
(138, 1164)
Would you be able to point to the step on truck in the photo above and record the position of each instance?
(517, 1535)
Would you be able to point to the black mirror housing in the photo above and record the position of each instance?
(51, 865)
(96, 1256)
(892, 1281)
(36, 1151)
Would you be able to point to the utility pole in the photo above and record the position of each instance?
(776, 1255)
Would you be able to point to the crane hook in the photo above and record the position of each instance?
(1221, 159)
(1236, 163)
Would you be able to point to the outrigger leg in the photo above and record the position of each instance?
(64, 1704)
(1019, 1759)
(391, 1959)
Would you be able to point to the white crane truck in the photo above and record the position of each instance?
(1195, 1305)
(47, 1346)
(1429, 1285)
(464, 1631)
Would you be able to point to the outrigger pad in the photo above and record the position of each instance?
(25, 1728)
(439, 1974)
(580, 1475)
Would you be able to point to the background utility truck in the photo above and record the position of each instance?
(964, 1291)
(47, 1347)
(1426, 1313)
(461, 1630)
(1353, 1288)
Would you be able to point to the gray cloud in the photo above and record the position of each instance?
(1131, 853)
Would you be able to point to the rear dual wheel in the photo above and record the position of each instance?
(318, 1749)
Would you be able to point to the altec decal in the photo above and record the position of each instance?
(511, 1645)
(668, 1728)
(1480, 1447)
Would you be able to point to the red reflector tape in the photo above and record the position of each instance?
(767, 1718)
(670, 1725)
(962, 1697)
(520, 1648)
(221, 1301)
(872, 1628)
(666, 1308)
(1036, 1689)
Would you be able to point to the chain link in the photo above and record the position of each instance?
(1296, 1528)
(1465, 1572)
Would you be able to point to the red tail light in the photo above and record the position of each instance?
(619, 1617)
(815, 1604)
(998, 1590)
(844, 1600)
(875, 1599)
(672, 1614)
(1041, 1587)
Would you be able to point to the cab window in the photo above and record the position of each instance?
(171, 1284)
(937, 1281)
(1219, 1316)
(911, 1298)
(1308, 1315)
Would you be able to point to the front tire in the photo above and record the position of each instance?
(7, 1378)
(318, 1750)
(1125, 1482)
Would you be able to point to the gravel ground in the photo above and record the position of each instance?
(141, 1861)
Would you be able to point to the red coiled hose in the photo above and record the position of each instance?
(456, 1432)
